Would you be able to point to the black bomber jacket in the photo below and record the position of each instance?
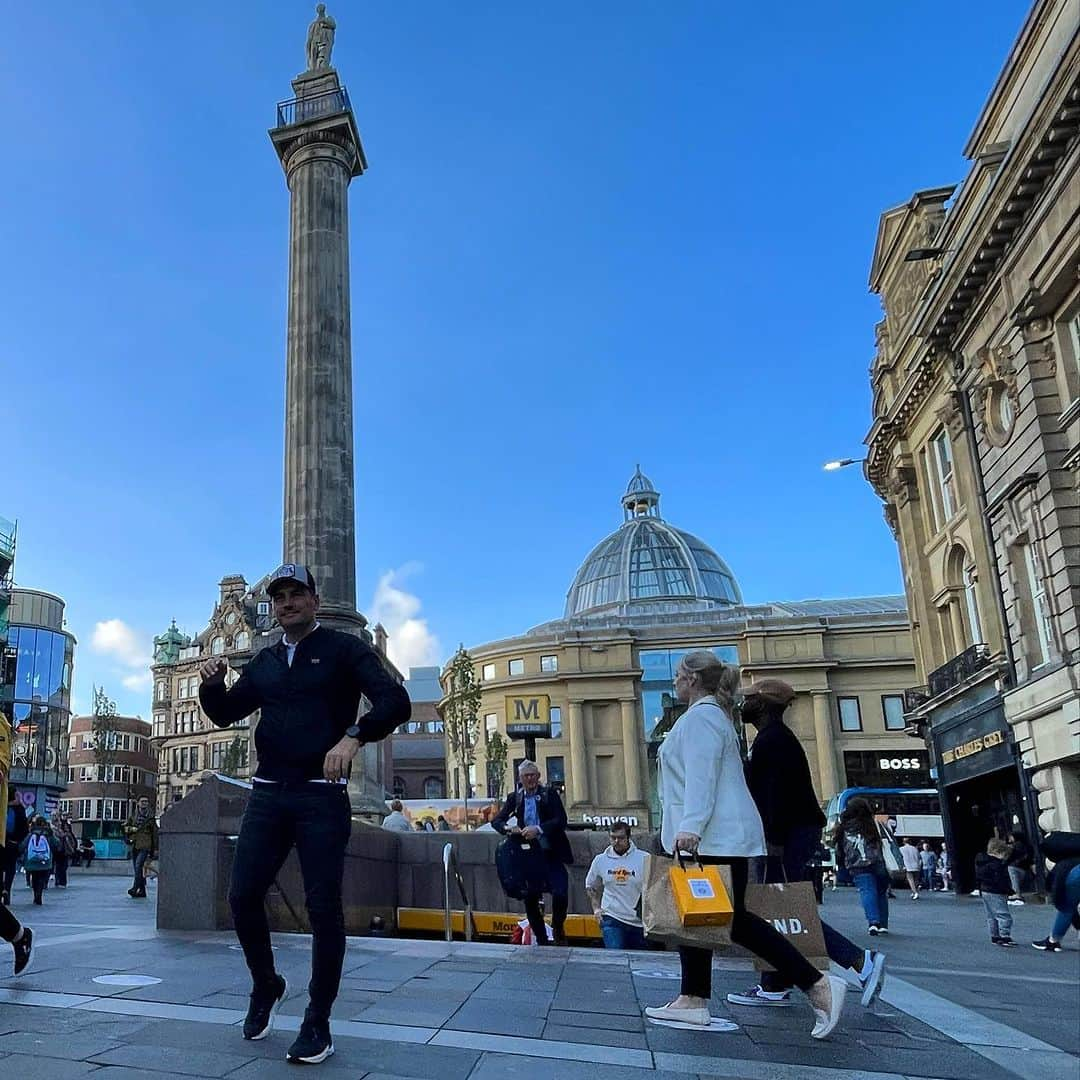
(307, 707)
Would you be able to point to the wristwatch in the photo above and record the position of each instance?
(353, 732)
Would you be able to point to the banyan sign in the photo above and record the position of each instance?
(528, 716)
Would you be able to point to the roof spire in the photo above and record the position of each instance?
(641, 498)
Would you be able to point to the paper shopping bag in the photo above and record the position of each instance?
(660, 914)
(792, 909)
(701, 897)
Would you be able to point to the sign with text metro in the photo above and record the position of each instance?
(528, 715)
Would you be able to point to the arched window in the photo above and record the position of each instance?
(399, 787)
(962, 578)
(434, 787)
(162, 690)
(217, 647)
(243, 640)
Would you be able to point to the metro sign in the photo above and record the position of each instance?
(528, 716)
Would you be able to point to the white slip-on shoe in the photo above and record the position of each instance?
(874, 981)
(826, 1019)
(698, 1017)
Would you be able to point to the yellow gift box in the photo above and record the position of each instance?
(700, 896)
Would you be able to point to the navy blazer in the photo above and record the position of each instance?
(552, 815)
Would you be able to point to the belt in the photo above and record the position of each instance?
(260, 784)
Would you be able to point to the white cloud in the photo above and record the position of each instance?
(115, 638)
(411, 643)
(138, 682)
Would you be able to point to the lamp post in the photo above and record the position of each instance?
(842, 463)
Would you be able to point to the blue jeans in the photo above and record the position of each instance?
(873, 886)
(619, 935)
(138, 861)
(1063, 919)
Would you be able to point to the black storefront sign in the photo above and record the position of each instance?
(974, 747)
(887, 768)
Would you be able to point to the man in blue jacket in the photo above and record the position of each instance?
(541, 820)
(308, 687)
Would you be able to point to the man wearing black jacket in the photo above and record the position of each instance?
(541, 820)
(308, 687)
(778, 776)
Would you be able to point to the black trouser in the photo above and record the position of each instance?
(60, 867)
(799, 847)
(39, 882)
(316, 819)
(11, 862)
(751, 932)
(559, 885)
(9, 925)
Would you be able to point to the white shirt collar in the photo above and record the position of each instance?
(292, 644)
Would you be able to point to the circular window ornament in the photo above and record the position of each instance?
(230, 619)
(1000, 413)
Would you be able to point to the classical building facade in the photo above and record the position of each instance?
(187, 744)
(418, 751)
(101, 793)
(644, 596)
(975, 446)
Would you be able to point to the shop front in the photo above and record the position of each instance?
(978, 772)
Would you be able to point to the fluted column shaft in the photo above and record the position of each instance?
(579, 775)
(631, 737)
(823, 738)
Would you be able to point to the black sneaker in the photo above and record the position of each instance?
(313, 1044)
(1006, 942)
(24, 951)
(259, 1021)
(1046, 945)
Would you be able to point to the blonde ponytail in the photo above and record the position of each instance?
(716, 678)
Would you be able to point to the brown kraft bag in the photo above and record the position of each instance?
(792, 909)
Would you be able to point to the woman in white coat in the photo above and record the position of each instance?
(708, 811)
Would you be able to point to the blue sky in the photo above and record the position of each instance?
(590, 235)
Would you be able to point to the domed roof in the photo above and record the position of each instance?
(649, 562)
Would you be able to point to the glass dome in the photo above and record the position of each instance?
(647, 561)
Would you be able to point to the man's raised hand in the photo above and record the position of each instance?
(213, 671)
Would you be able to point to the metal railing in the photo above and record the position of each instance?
(450, 866)
(959, 668)
(300, 110)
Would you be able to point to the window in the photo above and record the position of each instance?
(941, 450)
(472, 781)
(263, 607)
(88, 742)
(159, 723)
(491, 722)
(162, 690)
(517, 667)
(892, 708)
(850, 717)
(71, 774)
(556, 722)
(243, 640)
(217, 755)
(217, 646)
(87, 774)
(433, 787)
(1040, 609)
(436, 727)
(487, 672)
(399, 787)
(549, 663)
(971, 602)
(84, 809)
(556, 774)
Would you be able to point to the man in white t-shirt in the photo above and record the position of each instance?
(614, 883)
(910, 854)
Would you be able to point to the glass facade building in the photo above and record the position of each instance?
(38, 658)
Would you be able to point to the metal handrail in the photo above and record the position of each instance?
(449, 861)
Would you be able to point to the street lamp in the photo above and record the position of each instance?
(842, 463)
(920, 254)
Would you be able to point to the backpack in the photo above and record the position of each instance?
(38, 852)
(522, 871)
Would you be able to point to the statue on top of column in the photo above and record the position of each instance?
(320, 40)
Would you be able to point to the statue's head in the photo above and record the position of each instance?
(320, 9)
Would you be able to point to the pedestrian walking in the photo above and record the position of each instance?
(17, 829)
(944, 868)
(858, 849)
(928, 866)
(444, 825)
(708, 812)
(909, 853)
(614, 884)
(141, 834)
(778, 776)
(992, 877)
(541, 819)
(38, 851)
(87, 851)
(69, 848)
(1019, 862)
(19, 937)
(396, 821)
(308, 687)
(1064, 887)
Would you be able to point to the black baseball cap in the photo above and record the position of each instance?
(291, 572)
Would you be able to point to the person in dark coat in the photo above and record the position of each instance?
(778, 776)
(541, 819)
(17, 829)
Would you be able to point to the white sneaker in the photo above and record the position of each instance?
(874, 981)
(698, 1017)
(826, 1019)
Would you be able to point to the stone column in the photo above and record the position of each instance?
(320, 152)
(823, 737)
(579, 775)
(631, 737)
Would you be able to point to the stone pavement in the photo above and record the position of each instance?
(494, 1012)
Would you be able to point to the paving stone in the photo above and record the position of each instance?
(356, 1057)
(496, 1022)
(620, 1007)
(613, 1021)
(414, 1014)
(450, 980)
(726, 1044)
(497, 1066)
(189, 1061)
(595, 1036)
(43, 1044)
(30, 1067)
(213, 1038)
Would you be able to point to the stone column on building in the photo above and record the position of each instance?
(823, 740)
(631, 731)
(579, 775)
(318, 144)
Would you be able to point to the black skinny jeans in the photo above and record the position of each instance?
(751, 932)
(559, 885)
(316, 819)
(9, 925)
(11, 862)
